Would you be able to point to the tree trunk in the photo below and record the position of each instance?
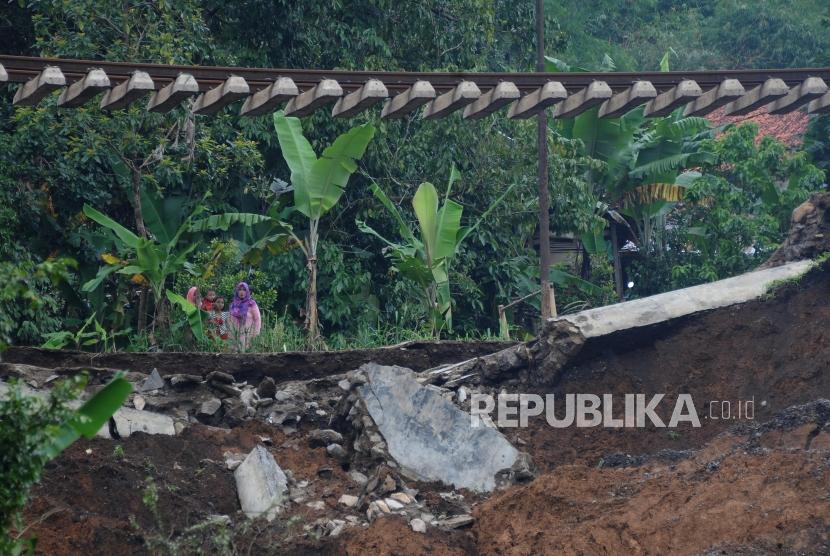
(312, 323)
(139, 215)
(142, 311)
(585, 270)
(311, 320)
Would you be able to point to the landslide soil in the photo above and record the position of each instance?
(728, 487)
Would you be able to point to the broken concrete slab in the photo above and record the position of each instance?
(428, 436)
(261, 484)
(130, 421)
(666, 306)
(153, 382)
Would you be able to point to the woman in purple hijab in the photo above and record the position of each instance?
(245, 320)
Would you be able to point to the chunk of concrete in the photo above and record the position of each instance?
(261, 484)
(428, 436)
(130, 421)
(153, 382)
(209, 407)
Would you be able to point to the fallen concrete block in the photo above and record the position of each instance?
(666, 306)
(261, 484)
(428, 436)
(130, 421)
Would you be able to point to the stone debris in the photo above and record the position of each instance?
(153, 382)
(266, 388)
(324, 437)
(456, 522)
(418, 525)
(318, 505)
(403, 498)
(393, 504)
(220, 377)
(428, 436)
(337, 452)
(209, 407)
(348, 500)
(233, 460)
(139, 402)
(261, 484)
(130, 421)
(358, 477)
(185, 380)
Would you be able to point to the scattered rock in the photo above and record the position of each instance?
(456, 522)
(393, 504)
(153, 382)
(402, 497)
(348, 500)
(418, 525)
(227, 389)
(130, 421)
(267, 388)
(358, 477)
(185, 380)
(209, 407)
(345, 385)
(389, 485)
(337, 452)
(220, 377)
(324, 437)
(261, 484)
(139, 402)
(318, 505)
(233, 460)
(325, 472)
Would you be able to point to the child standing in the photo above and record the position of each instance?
(219, 319)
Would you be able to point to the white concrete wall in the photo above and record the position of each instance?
(670, 305)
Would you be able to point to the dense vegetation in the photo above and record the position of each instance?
(68, 177)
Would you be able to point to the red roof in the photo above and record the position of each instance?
(787, 128)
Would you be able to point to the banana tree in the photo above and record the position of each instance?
(318, 185)
(426, 259)
(151, 261)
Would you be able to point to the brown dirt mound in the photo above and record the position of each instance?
(722, 501)
(393, 537)
(774, 351)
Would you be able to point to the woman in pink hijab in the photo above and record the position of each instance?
(194, 296)
(245, 320)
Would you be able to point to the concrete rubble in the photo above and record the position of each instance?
(261, 484)
(416, 428)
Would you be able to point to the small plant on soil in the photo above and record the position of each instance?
(210, 536)
(34, 430)
(118, 451)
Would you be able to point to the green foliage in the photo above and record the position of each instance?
(34, 430)
(83, 338)
(427, 260)
(733, 216)
(29, 304)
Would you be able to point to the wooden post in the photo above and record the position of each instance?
(615, 249)
(548, 302)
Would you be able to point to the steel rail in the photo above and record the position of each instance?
(22, 68)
